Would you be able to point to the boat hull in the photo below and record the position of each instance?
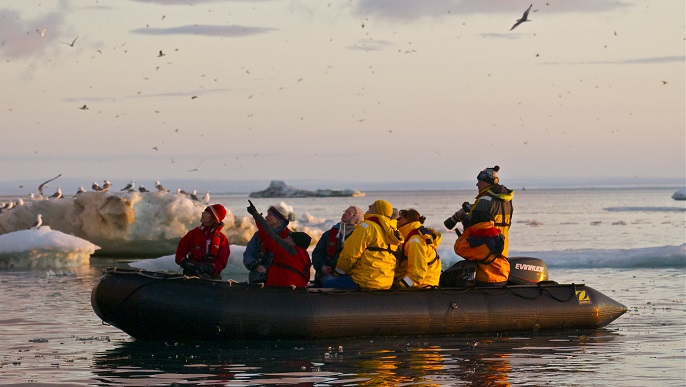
(157, 306)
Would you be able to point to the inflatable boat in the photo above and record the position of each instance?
(159, 306)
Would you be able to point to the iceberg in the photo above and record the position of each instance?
(123, 224)
(279, 189)
(43, 248)
(679, 195)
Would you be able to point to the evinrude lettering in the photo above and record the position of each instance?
(523, 266)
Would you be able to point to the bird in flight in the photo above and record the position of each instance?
(523, 19)
(196, 169)
(72, 42)
(45, 184)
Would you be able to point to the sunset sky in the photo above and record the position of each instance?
(354, 91)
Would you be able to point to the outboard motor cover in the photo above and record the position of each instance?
(527, 270)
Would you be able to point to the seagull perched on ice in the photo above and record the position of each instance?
(129, 187)
(80, 191)
(523, 19)
(96, 187)
(182, 192)
(38, 223)
(45, 184)
(106, 186)
(57, 194)
(142, 189)
(194, 196)
(206, 198)
(160, 187)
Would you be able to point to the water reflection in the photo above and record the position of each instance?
(476, 361)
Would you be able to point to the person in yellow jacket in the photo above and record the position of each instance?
(367, 260)
(417, 262)
(482, 243)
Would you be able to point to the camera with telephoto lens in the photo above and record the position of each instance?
(453, 220)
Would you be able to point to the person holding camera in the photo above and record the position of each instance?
(494, 198)
(204, 250)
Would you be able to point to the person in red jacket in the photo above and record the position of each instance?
(204, 251)
(291, 264)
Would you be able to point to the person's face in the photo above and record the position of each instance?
(481, 184)
(290, 241)
(273, 221)
(372, 209)
(348, 216)
(206, 219)
(401, 221)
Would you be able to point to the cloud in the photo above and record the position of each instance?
(21, 38)
(647, 60)
(193, 2)
(206, 30)
(413, 9)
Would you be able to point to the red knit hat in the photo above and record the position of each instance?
(218, 211)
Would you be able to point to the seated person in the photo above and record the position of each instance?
(204, 250)
(257, 257)
(325, 253)
(482, 243)
(417, 262)
(291, 263)
(367, 259)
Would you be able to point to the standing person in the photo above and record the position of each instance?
(493, 198)
(257, 257)
(367, 259)
(291, 264)
(204, 250)
(482, 243)
(418, 263)
(325, 253)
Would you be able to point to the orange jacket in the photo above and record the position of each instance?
(483, 244)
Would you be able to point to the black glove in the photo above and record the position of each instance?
(205, 268)
(186, 263)
(251, 209)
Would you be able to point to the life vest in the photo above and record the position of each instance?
(377, 248)
(424, 231)
(332, 244)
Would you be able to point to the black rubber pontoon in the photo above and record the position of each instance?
(157, 306)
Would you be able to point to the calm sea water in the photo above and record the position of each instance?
(50, 334)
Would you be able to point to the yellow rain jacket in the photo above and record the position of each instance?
(367, 254)
(474, 244)
(418, 263)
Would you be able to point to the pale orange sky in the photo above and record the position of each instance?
(349, 90)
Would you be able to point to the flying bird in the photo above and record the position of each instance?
(523, 19)
(129, 187)
(45, 184)
(72, 42)
(196, 169)
(161, 54)
(84, 107)
(36, 225)
(42, 32)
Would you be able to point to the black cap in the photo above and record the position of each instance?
(301, 239)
